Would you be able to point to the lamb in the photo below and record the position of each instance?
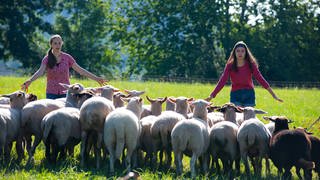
(182, 105)
(33, 113)
(72, 89)
(192, 135)
(290, 148)
(253, 138)
(92, 116)
(134, 93)
(147, 143)
(170, 106)
(155, 107)
(315, 155)
(161, 130)
(117, 102)
(248, 113)
(223, 139)
(122, 129)
(10, 124)
(31, 117)
(61, 129)
(108, 91)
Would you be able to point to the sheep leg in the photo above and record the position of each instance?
(47, 154)
(246, 163)
(298, 172)
(267, 166)
(19, 149)
(55, 151)
(307, 174)
(111, 158)
(237, 165)
(36, 142)
(97, 150)
(7, 151)
(128, 159)
(84, 136)
(193, 162)
(178, 162)
(287, 174)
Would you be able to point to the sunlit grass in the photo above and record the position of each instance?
(300, 105)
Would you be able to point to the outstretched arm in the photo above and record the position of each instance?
(274, 95)
(35, 76)
(88, 74)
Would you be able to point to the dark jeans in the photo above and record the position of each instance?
(55, 96)
(243, 97)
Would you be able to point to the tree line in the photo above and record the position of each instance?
(191, 39)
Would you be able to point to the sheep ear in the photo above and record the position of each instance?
(125, 99)
(290, 121)
(190, 99)
(163, 100)
(140, 100)
(150, 100)
(259, 111)
(239, 109)
(173, 100)
(66, 86)
(269, 118)
(223, 109)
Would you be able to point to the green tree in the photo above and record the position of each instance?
(84, 27)
(20, 25)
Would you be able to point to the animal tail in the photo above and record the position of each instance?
(47, 129)
(120, 141)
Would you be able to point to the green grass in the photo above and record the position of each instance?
(300, 105)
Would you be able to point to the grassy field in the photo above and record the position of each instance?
(300, 105)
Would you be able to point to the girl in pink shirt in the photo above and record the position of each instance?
(57, 65)
(240, 67)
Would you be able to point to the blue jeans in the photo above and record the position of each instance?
(55, 96)
(243, 97)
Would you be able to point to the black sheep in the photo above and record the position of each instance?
(290, 148)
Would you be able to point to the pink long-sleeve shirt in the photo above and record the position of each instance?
(242, 79)
(58, 74)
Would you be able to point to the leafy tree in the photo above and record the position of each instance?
(20, 25)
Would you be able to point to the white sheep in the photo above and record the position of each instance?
(182, 105)
(117, 101)
(10, 124)
(92, 116)
(122, 130)
(134, 93)
(147, 143)
(61, 130)
(192, 136)
(161, 130)
(223, 139)
(31, 117)
(248, 113)
(155, 107)
(72, 89)
(170, 106)
(253, 138)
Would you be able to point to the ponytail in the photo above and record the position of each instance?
(52, 61)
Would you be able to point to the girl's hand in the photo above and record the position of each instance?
(278, 99)
(25, 85)
(208, 98)
(102, 81)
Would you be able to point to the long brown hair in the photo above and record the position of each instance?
(52, 61)
(248, 57)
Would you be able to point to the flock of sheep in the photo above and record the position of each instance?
(131, 133)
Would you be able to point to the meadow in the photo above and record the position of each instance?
(300, 105)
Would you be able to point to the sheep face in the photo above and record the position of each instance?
(17, 99)
(281, 122)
